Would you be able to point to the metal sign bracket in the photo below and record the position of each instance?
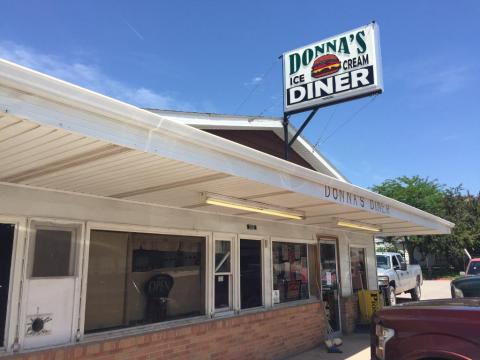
(287, 143)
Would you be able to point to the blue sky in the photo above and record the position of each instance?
(222, 56)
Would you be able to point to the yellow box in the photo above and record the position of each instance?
(369, 302)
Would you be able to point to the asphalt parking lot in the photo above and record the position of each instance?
(357, 346)
(431, 289)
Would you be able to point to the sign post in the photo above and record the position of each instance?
(338, 69)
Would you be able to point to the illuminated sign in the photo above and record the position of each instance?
(337, 69)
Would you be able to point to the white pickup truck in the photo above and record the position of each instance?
(396, 277)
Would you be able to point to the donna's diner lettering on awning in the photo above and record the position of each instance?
(345, 197)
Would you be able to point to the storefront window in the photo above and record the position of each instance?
(136, 279)
(358, 268)
(290, 271)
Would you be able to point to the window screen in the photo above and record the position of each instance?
(52, 255)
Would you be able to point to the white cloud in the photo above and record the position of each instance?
(135, 31)
(452, 137)
(90, 77)
(434, 75)
(254, 81)
(446, 80)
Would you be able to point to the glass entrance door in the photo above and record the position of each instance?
(6, 248)
(330, 289)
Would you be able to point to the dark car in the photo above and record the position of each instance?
(466, 286)
(447, 329)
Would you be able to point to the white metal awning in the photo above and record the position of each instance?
(56, 135)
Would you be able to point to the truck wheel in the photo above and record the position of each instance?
(391, 297)
(416, 292)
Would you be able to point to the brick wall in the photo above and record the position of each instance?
(350, 313)
(271, 334)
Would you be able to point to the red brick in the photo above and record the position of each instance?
(264, 335)
(109, 346)
(78, 352)
(93, 349)
(126, 343)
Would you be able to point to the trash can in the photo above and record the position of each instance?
(369, 301)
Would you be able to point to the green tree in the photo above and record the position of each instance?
(424, 194)
(464, 211)
(448, 203)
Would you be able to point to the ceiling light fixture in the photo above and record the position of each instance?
(251, 206)
(358, 225)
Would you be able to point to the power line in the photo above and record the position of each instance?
(363, 107)
(264, 76)
(272, 104)
(325, 127)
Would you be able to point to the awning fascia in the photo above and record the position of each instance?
(28, 94)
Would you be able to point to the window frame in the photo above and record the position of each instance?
(400, 260)
(333, 241)
(90, 226)
(228, 274)
(236, 306)
(210, 238)
(395, 259)
(13, 313)
(305, 242)
(234, 301)
(76, 255)
(263, 247)
(358, 246)
(79, 247)
(72, 271)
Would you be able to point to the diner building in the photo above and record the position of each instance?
(130, 233)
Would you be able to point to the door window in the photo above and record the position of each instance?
(400, 260)
(53, 252)
(358, 268)
(396, 264)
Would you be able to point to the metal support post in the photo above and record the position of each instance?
(305, 123)
(285, 136)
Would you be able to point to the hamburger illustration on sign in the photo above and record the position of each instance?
(337, 69)
(325, 65)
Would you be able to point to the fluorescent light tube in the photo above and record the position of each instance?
(251, 206)
(358, 225)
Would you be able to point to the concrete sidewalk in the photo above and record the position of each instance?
(355, 347)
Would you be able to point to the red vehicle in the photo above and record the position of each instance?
(473, 267)
(447, 329)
